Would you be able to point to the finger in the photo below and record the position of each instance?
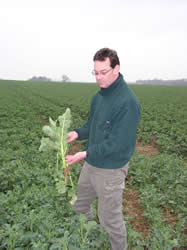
(72, 161)
(69, 140)
(68, 157)
(69, 163)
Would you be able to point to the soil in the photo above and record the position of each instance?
(149, 150)
(75, 147)
(133, 209)
(170, 216)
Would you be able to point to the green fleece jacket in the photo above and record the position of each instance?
(111, 126)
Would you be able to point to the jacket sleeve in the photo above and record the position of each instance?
(122, 136)
(83, 131)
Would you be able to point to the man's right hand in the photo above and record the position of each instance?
(72, 136)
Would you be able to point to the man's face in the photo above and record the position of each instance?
(105, 75)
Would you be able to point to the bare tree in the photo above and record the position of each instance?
(65, 78)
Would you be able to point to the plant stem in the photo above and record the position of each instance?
(71, 182)
(64, 165)
(57, 161)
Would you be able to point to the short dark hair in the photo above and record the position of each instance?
(102, 54)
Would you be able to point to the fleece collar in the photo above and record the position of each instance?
(113, 86)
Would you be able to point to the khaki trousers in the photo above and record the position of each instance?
(107, 185)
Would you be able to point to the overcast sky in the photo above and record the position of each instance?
(55, 37)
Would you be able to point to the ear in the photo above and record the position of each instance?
(116, 69)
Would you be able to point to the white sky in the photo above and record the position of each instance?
(55, 37)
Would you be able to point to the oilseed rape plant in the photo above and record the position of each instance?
(35, 187)
(56, 141)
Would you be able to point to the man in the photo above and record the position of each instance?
(111, 134)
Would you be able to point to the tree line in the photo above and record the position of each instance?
(64, 78)
(181, 82)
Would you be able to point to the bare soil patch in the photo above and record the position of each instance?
(75, 148)
(149, 150)
(170, 216)
(43, 121)
(133, 209)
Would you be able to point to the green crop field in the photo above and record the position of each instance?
(33, 215)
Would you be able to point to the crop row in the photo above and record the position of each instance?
(34, 216)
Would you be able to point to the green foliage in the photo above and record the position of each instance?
(57, 134)
(163, 179)
(33, 215)
(57, 141)
(163, 117)
(135, 239)
(161, 182)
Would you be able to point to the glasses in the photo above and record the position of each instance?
(102, 72)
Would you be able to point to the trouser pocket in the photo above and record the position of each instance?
(114, 184)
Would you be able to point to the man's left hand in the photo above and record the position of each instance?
(70, 159)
